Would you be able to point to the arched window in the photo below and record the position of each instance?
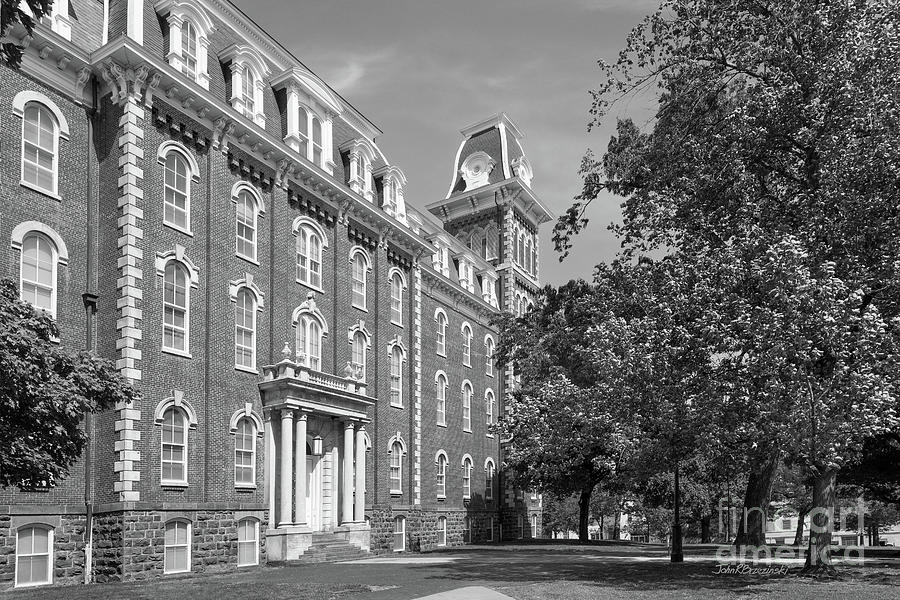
(467, 406)
(359, 353)
(248, 542)
(534, 258)
(37, 272)
(441, 339)
(317, 142)
(303, 131)
(359, 266)
(489, 480)
(309, 256)
(248, 91)
(440, 392)
(396, 468)
(489, 410)
(399, 534)
(521, 249)
(441, 475)
(397, 299)
(189, 45)
(467, 478)
(396, 375)
(245, 330)
(489, 356)
(245, 453)
(174, 440)
(309, 341)
(177, 548)
(528, 255)
(34, 549)
(246, 214)
(40, 148)
(442, 531)
(176, 311)
(467, 345)
(177, 201)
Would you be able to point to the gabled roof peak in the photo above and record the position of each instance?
(499, 121)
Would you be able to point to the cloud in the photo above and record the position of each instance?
(355, 72)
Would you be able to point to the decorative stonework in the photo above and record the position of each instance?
(476, 169)
(417, 384)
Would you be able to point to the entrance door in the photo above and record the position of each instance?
(313, 493)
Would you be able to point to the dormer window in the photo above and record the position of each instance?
(393, 202)
(189, 31)
(361, 155)
(309, 114)
(248, 71)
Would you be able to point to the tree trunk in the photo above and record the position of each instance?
(821, 517)
(752, 524)
(602, 524)
(876, 537)
(584, 512)
(801, 521)
(705, 536)
(617, 530)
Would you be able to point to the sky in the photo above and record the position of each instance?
(421, 70)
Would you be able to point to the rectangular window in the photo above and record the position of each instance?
(396, 300)
(467, 480)
(441, 392)
(442, 531)
(248, 543)
(395, 471)
(467, 409)
(34, 546)
(174, 447)
(248, 92)
(358, 277)
(490, 530)
(399, 534)
(245, 330)
(177, 548)
(244, 450)
(245, 245)
(396, 377)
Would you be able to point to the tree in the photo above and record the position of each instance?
(11, 13)
(45, 391)
(774, 154)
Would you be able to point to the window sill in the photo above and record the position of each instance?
(442, 354)
(174, 352)
(393, 322)
(396, 493)
(43, 192)
(245, 487)
(253, 370)
(362, 308)
(174, 484)
(491, 375)
(176, 572)
(468, 366)
(467, 430)
(489, 435)
(444, 424)
(178, 228)
(310, 286)
(441, 497)
(396, 405)
(252, 261)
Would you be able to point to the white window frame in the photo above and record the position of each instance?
(441, 385)
(489, 400)
(241, 193)
(187, 545)
(50, 555)
(440, 474)
(359, 259)
(401, 521)
(309, 338)
(466, 331)
(442, 531)
(534, 531)
(43, 112)
(489, 471)
(192, 175)
(184, 445)
(440, 317)
(395, 467)
(467, 477)
(254, 542)
(186, 329)
(397, 283)
(240, 436)
(305, 229)
(37, 284)
(248, 330)
(489, 348)
(358, 353)
(396, 350)
(467, 392)
(177, 13)
(19, 105)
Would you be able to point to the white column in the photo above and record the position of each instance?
(327, 141)
(359, 508)
(300, 470)
(287, 470)
(293, 118)
(135, 21)
(237, 85)
(347, 491)
(202, 67)
(174, 55)
(270, 468)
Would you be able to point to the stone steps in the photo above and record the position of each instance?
(327, 547)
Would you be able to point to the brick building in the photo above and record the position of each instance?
(314, 354)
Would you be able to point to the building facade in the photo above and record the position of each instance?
(314, 354)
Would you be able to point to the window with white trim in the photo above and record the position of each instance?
(246, 213)
(303, 131)
(396, 376)
(534, 526)
(174, 446)
(489, 480)
(177, 190)
(467, 406)
(317, 150)
(248, 91)
(441, 475)
(442, 531)
(245, 329)
(397, 299)
(441, 339)
(189, 46)
(248, 542)
(467, 345)
(40, 148)
(358, 351)
(488, 411)
(309, 256)
(440, 392)
(489, 356)
(177, 548)
(359, 274)
(467, 478)
(399, 534)
(34, 550)
(38, 272)
(396, 465)
(245, 453)
(176, 307)
(467, 530)
(309, 341)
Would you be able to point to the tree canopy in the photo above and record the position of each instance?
(12, 12)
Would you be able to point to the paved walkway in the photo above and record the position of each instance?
(472, 592)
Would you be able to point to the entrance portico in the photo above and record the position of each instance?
(316, 445)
